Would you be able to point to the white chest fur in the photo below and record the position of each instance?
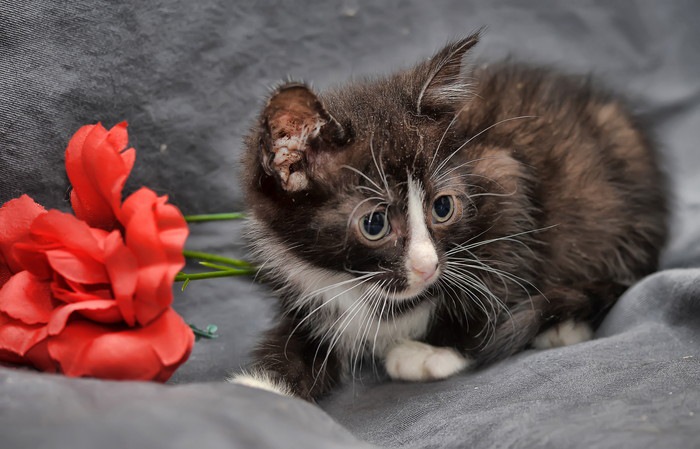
(344, 312)
(356, 329)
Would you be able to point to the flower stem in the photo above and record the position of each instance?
(215, 266)
(180, 277)
(214, 217)
(215, 258)
(209, 332)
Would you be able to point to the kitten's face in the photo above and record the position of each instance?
(368, 180)
(399, 210)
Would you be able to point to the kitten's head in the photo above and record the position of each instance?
(367, 181)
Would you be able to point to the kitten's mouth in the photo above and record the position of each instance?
(408, 299)
(417, 286)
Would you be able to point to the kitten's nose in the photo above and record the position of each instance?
(425, 271)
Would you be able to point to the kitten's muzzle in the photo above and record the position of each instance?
(425, 273)
(420, 277)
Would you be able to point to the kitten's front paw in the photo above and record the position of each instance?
(416, 361)
(563, 334)
(262, 381)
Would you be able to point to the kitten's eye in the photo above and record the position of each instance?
(443, 208)
(374, 226)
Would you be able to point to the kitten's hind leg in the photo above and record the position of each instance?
(585, 312)
(563, 308)
(416, 361)
(566, 333)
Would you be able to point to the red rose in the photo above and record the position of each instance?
(97, 165)
(93, 297)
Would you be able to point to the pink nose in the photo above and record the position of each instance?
(425, 273)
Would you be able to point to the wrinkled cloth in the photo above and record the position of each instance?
(190, 77)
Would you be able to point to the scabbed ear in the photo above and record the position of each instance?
(445, 85)
(297, 128)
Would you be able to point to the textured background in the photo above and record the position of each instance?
(190, 75)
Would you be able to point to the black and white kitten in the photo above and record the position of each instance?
(440, 218)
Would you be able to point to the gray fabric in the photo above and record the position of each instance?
(634, 386)
(41, 411)
(189, 76)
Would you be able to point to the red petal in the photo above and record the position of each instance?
(5, 273)
(69, 292)
(99, 234)
(118, 137)
(26, 298)
(17, 338)
(173, 234)
(58, 229)
(123, 272)
(101, 291)
(86, 349)
(39, 357)
(98, 169)
(83, 198)
(75, 144)
(77, 267)
(156, 234)
(16, 216)
(32, 259)
(100, 310)
(174, 349)
(129, 157)
(11, 357)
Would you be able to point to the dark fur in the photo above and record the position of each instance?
(576, 182)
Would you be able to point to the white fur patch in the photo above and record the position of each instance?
(566, 333)
(422, 259)
(338, 315)
(262, 381)
(416, 361)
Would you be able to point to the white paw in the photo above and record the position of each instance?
(563, 334)
(416, 361)
(262, 381)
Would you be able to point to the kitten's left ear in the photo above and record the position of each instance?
(298, 129)
(445, 85)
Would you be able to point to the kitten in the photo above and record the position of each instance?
(443, 218)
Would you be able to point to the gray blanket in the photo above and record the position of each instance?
(189, 77)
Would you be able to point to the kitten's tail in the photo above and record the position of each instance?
(519, 328)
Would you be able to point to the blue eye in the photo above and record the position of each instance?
(374, 226)
(443, 208)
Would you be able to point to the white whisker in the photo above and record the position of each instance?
(347, 316)
(452, 122)
(352, 214)
(379, 189)
(359, 281)
(448, 158)
(508, 238)
(380, 168)
(373, 301)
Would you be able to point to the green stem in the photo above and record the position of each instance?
(214, 217)
(212, 274)
(215, 266)
(215, 258)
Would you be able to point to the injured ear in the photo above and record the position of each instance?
(297, 125)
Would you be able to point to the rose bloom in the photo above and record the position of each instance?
(91, 294)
